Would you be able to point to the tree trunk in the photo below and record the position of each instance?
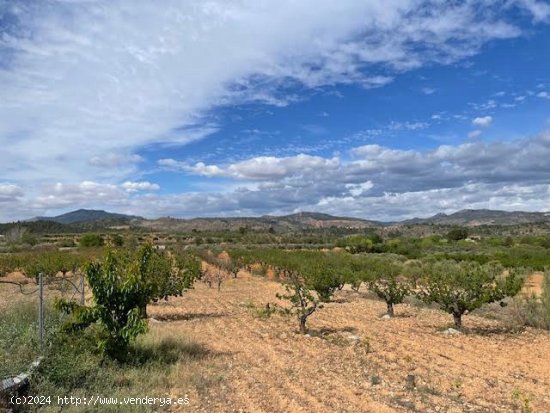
(390, 309)
(303, 328)
(458, 320)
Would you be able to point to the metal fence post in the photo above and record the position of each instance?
(41, 309)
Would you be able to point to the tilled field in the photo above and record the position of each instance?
(352, 360)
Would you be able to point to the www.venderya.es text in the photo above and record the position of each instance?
(96, 400)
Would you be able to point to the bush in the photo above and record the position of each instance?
(91, 240)
(457, 234)
(117, 240)
(359, 243)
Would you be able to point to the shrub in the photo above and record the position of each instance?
(457, 234)
(117, 240)
(91, 240)
(356, 244)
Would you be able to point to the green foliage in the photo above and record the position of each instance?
(310, 277)
(72, 366)
(37, 227)
(8, 263)
(385, 277)
(457, 234)
(91, 240)
(460, 287)
(29, 238)
(122, 286)
(360, 243)
(19, 345)
(50, 263)
(117, 240)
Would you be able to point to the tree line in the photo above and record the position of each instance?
(312, 277)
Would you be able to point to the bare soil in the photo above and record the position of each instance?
(353, 361)
(534, 284)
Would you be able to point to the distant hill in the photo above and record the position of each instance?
(299, 221)
(90, 219)
(477, 217)
(81, 216)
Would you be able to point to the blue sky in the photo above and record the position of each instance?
(376, 109)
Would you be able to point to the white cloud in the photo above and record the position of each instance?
(544, 94)
(474, 134)
(139, 186)
(9, 192)
(87, 84)
(359, 189)
(540, 10)
(483, 121)
(263, 168)
(408, 125)
(376, 182)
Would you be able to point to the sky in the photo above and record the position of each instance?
(378, 109)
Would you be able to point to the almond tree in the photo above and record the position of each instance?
(460, 287)
(310, 278)
(385, 277)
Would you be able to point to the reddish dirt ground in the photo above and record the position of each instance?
(352, 361)
(355, 362)
(533, 284)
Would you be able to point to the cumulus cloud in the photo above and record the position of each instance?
(378, 169)
(483, 121)
(374, 181)
(139, 186)
(261, 168)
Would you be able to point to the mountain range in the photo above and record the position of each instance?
(298, 221)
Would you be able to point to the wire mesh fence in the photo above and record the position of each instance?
(27, 317)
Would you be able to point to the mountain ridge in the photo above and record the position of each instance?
(86, 216)
(300, 220)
